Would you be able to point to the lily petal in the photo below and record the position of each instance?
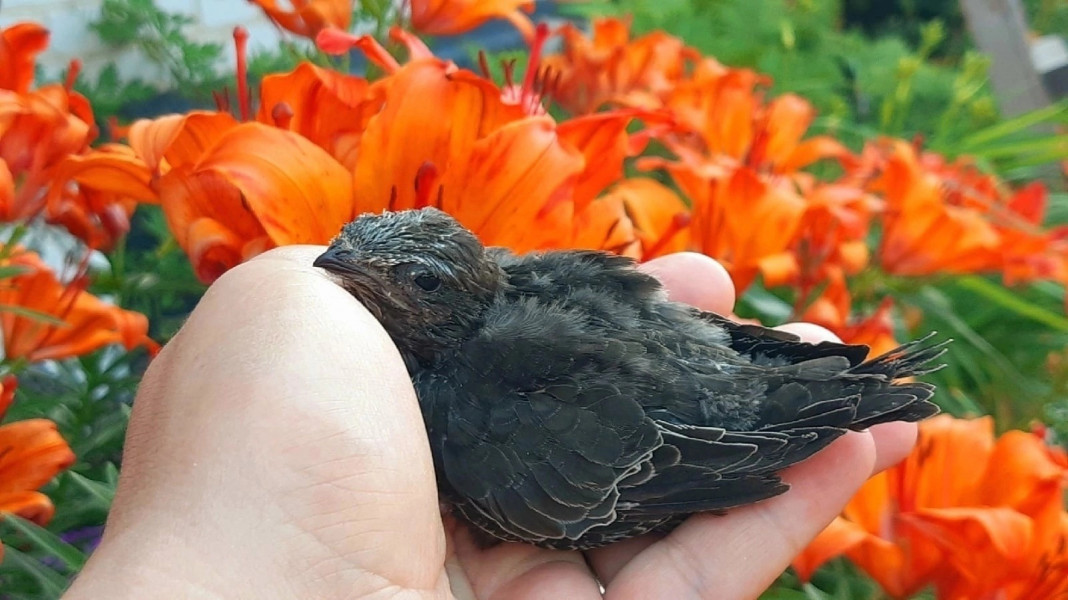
(209, 221)
(19, 46)
(297, 192)
(510, 178)
(452, 17)
(308, 17)
(31, 453)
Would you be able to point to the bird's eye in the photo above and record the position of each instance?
(427, 282)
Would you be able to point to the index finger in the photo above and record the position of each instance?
(694, 279)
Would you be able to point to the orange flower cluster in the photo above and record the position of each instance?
(31, 453)
(945, 217)
(325, 146)
(432, 17)
(46, 173)
(47, 169)
(60, 320)
(973, 517)
(740, 161)
(39, 130)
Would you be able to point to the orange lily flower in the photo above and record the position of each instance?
(37, 130)
(1030, 252)
(31, 453)
(516, 179)
(493, 168)
(738, 161)
(830, 240)
(308, 17)
(973, 517)
(82, 322)
(19, 46)
(951, 218)
(229, 189)
(660, 219)
(830, 245)
(453, 17)
(94, 194)
(746, 221)
(232, 190)
(43, 133)
(610, 68)
(305, 99)
(724, 109)
(832, 310)
(922, 233)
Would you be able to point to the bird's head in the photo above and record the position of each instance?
(420, 272)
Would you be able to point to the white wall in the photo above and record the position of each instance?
(68, 21)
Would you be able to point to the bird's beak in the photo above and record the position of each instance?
(334, 260)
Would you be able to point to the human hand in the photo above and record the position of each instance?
(276, 450)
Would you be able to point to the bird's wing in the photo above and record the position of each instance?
(534, 433)
(802, 412)
(763, 344)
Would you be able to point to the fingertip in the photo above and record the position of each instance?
(694, 279)
(810, 332)
(893, 442)
(300, 254)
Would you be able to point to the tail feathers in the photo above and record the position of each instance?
(891, 399)
(881, 390)
(908, 360)
(808, 405)
(907, 403)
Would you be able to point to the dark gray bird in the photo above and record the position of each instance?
(569, 405)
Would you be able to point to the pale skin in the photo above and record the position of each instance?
(276, 451)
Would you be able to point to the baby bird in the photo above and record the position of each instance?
(569, 404)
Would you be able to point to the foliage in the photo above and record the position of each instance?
(861, 87)
(160, 36)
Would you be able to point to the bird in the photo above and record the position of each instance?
(569, 404)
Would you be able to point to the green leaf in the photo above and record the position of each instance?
(107, 429)
(770, 307)
(1012, 126)
(783, 594)
(101, 492)
(29, 313)
(1053, 146)
(932, 299)
(48, 541)
(814, 593)
(1007, 299)
(111, 475)
(52, 583)
(7, 271)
